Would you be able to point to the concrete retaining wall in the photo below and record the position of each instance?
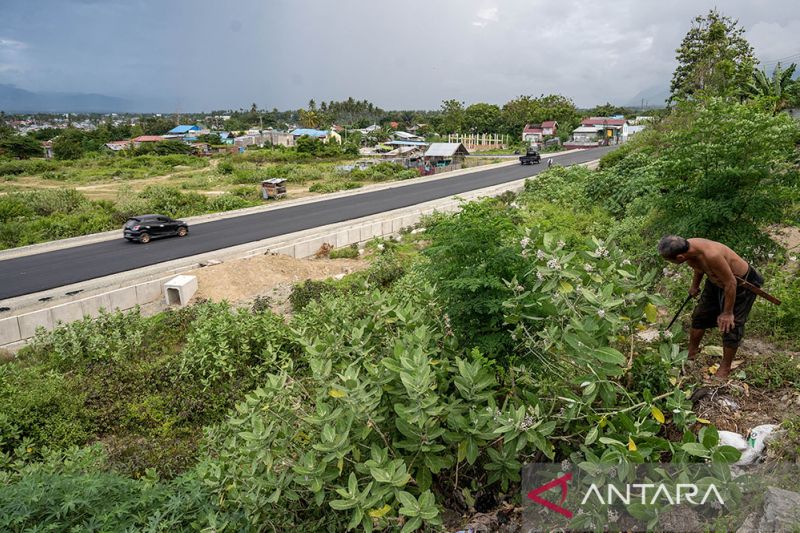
(16, 330)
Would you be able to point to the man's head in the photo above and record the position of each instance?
(673, 248)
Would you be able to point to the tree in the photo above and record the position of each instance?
(69, 145)
(309, 119)
(20, 146)
(157, 125)
(726, 172)
(607, 110)
(714, 59)
(452, 116)
(482, 118)
(308, 145)
(780, 88)
(529, 110)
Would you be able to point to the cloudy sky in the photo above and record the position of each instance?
(195, 55)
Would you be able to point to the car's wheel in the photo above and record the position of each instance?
(182, 232)
(144, 238)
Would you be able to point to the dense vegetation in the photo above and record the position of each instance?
(503, 334)
(424, 382)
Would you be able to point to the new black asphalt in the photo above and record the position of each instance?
(34, 273)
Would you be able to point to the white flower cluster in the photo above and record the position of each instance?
(539, 276)
(588, 268)
(601, 313)
(626, 262)
(527, 423)
(554, 264)
(602, 251)
(380, 247)
(666, 334)
(561, 244)
(524, 242)
(540, 254)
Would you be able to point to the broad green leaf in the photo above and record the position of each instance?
(726, 454)
(607, 354)
(696, 449)
(591, 436)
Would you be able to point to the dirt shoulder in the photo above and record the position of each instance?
(243, 280)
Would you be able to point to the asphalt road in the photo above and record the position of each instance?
(34, 273)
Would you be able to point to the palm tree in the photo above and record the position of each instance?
(309, 119)
(780, 87)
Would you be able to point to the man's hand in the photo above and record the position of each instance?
(725, 322)
(694, 291)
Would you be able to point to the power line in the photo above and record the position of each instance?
(789, 59)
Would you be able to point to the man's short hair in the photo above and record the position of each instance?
(671, 246)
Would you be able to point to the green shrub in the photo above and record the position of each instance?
(470, 258)
(111, 337)
(223, 344)
(348, 252)
(225, 167)
(780, 322)
(228, 202)
(309, 291)
(391, 409)
(333, 186)
(40, 409)
(72, 494)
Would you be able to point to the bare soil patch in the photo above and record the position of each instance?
(243, 280)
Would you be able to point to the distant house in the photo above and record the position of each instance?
(137, 141)
(183, 129)
(600, 130)
(278, 138)
(369, 129)
(224, 136)
(117, 146)
(445, 154)
(536, 133)
(404, 136)
(585, 134)
(323, 135)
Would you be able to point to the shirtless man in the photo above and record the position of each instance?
(723, 303)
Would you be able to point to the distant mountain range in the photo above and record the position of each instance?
(655, 96)
(15, 100)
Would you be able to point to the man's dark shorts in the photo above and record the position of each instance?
(711, 304)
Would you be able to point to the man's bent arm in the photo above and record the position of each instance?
(698, 277)
(722, 271)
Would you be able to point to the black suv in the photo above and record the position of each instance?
(146, 227)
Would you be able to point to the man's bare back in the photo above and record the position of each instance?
(711, 258)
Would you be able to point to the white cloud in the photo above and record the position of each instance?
(11, 44)
(485, 16)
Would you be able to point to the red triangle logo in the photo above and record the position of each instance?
(558, 482)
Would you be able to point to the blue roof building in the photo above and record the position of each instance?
(299, 132)
(180, 130)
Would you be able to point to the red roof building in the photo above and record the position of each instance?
(603, 121)
(148, 139)
(537, 132)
